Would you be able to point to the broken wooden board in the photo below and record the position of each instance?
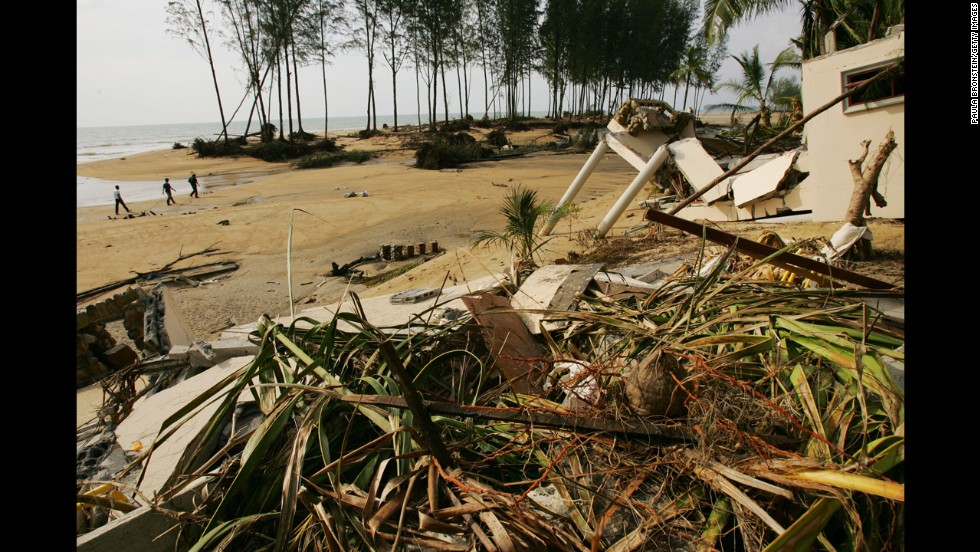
(551, 288)
(817, 271)
(698, 168)
(509, 341)
(763, 182)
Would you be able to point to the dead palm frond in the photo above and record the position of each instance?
(791, 420)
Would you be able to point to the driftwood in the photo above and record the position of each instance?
(164, 271)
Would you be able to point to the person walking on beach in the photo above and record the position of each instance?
(168, 189)
(119, 200)
(193, 182)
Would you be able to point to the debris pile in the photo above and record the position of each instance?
(585, 409)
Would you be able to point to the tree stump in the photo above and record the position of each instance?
(866, 188)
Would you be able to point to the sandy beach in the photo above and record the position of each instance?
(248, 208)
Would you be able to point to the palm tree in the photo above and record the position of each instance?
(854, 22)
(522, 211)
(692, 69)
(755, 85)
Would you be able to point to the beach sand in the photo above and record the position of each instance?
(249, 208)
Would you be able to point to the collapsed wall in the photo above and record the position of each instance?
(98, 353)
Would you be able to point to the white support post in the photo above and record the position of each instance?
(656, 160)
(601, 148)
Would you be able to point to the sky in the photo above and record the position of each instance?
(131, 71)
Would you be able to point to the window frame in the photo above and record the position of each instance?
(873, 104)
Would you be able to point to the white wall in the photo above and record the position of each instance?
(834, 137)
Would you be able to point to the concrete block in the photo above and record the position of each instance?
(143, 529)
(229, 348)
(149, 413)
(178, 352)
(200, 355)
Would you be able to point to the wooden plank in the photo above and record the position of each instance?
(511, 344)
(808, 268)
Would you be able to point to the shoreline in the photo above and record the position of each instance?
(252, 219)
(275, 221)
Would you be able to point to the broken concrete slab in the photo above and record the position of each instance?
(551, 287)
(380, 312)
(178, 330)
(651, 272)
(788, 206)
(699, 168)
(763, 182)
(412, 296)
(146, 529)
(141, 428)
(225, 349)
(635, 150)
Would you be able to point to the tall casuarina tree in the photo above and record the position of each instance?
(392, 15)
(186, 20)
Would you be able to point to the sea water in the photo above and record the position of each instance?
(99, 143)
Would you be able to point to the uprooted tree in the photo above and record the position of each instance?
(866, 186)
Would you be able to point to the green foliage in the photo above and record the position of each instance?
(275, 150)
(301, 137)
(755, 85)
(326, 144)
(178, 145)
(454, 126)
(485, 122)
(449, 150)
(218, 148)
(268, 132)
(522, 212)
(329, 160)
(368, 133)
(497, 137)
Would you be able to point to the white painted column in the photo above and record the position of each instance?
(601, 148)
(656, 160)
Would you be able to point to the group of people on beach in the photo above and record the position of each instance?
(168, 190)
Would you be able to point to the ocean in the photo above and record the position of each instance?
(99, 143)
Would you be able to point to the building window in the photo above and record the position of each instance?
(886, 91)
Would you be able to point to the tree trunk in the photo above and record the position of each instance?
(214, 75)
(866, 186)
